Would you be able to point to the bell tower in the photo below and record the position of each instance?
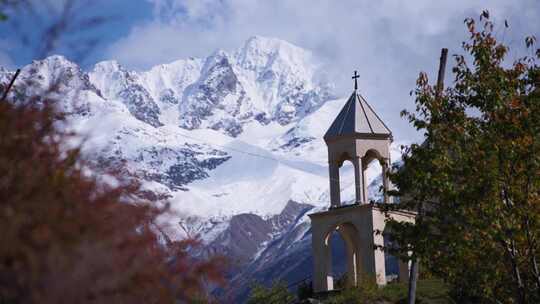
(360, 136)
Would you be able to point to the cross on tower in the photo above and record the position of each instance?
(355, 77)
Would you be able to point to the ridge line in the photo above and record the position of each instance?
(387, 129)
(345, 118)
(365, 114)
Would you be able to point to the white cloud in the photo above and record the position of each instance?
(389, 42)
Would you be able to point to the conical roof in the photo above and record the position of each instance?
(357, 119)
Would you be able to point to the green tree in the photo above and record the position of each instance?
(475, 180)
(277, 293)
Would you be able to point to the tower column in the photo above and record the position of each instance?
(358, 180)
(373, 258)
(385, 167)
(322, 259)
(335, 199)
(365, 183)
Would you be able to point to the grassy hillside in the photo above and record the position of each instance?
(430, 291)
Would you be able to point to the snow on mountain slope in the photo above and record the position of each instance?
(233, 141)
(284, 76)
(266, 80)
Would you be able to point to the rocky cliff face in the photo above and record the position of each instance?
(116, 83)
(233, 141)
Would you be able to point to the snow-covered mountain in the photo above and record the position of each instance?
(233, 141)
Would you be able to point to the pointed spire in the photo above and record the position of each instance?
(358, 119)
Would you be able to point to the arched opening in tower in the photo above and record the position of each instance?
(339, 260)
(346, 183)
(374, 181)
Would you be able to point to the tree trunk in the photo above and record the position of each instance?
(517, 274)
(531, 243)
(512, 253)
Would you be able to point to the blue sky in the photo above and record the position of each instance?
(121, 17)
(388, 41)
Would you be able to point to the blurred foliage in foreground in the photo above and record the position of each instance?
(66, 237)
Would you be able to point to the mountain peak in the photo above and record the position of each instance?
(269, 43)
(108, 66)
(55, 66)
(266, 80)
(55, 60)
(261, 52)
